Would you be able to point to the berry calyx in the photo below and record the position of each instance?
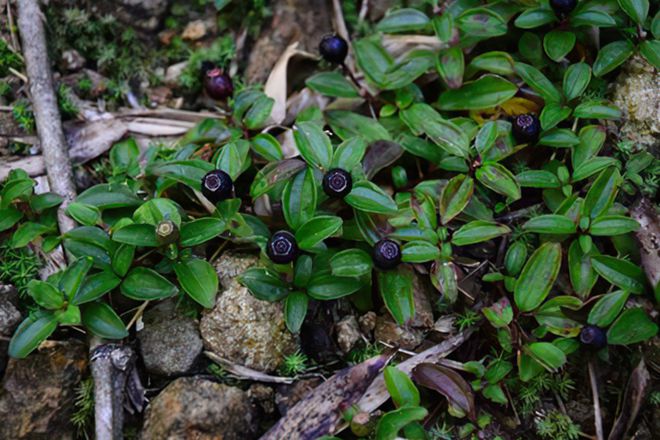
(337, 183)
(333, 49)
(217, 186)
(218, 85)
(593, 336)
(563, 7)
(166, 232)
(282, 247)
(526, 128)
(386, 254)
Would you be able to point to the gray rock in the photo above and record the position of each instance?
(10, 317)
(37, 393)
(72, 60)
(170, 342)
(195, 408)
(637, 93)
(347, 333)
(241, 328)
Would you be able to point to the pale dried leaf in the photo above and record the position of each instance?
(634, 396)
(648, 236)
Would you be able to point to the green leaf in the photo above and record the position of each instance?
(443, 278)
(15, 189)
(199, 280)
(263, 284)
(332, 84)
(592, 17)
(314, 145)
(73, 277)
(323, 286)
(136, 235)
(559, 138)
(450, 66)
(597, 110)
(419, 251)
(259, 112)
(607, 308)
(403, 20)
(348, 124)
(95, 286)
(633, 326)
(349, 153)
(124, 157)
(621, 273)
(189, 172)
(550, 224)
(368, 197)
(45, 294)
(538, 179)
(106, 196)
(548, 355)
(299, 198)
(581, 272)
(497, 62)
(478, 231)
(534, 17)
(612, 56)
(455, 196)
(295, 310)
(486, 92)
(552, 114)
(537, 277)
(9, 217)
(500, 314)
(481, 22)
(592, 139)
(274, 173)
(266, 146)
(156, 210)
(351, 263)
(201, 230)
(650, 49)
(602, 193)
(576, 80)
(27, 232)
(537, 81)
(400, 387)
(608, 225)
(394, 421)
(316, 230)
(122, 259)
(636, 9)
(558, 44)
(422, 118)
(143, 283)
(41, 202)
(102, 321)
(233, 158)
(499, 179)
(30, 333)
(396, 289)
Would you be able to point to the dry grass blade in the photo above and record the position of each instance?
(245, 372)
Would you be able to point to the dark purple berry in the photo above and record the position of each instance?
(337, 183)
(526, 128)
(563, 7)
(282, 247)
(217, 186)
(218, 85)
(386, 254)
(333, 48)
(593, 336)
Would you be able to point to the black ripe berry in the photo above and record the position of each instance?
(282, 247)
(337, 183)
(386, 254)
(526, 128)
(333, 49)
(563, 7)
(217, 186)
(593, 336)
(218, 85)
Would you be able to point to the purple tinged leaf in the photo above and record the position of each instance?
(448, 383)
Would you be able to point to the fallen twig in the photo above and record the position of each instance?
(598, 418)
(245, 372)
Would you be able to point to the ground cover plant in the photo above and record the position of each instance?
(469, 145)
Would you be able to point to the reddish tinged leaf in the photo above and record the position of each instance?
(448, 383)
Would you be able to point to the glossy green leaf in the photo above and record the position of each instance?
(481, 22)
(324, 286)
(403, 20)
(451, 66)
(400, 387)
(102, 321)
(136, 235)
(455, 196)
(548, 355)
(369, 197)
(638, 10)
(143, 283)
(156, 210)
(621, 273)
(95, 286)
(394, 421)
(313, 144)
(580, 270)
(299, 199)
(332, 84)
(633, 326)
(478, 231)
(201, 230)
(73, 277)
(347, 124)
(576, 80)
(597, 110)
(351, 263)
(650, 49)
(423, 119)
(538, 179)
(396, 289)
(316, 230)
(30, 333)
(534, 17)
(266, 146)
(550, 224)
(349, 153)
(538, 81)
(122, 259)
(486, 92)
(419, 252)
(558, 44)
(552, 114)
(9, 217)
(28, 232)
(559, 138)
(602, 193)
(295, 310)
(189, 172)
(45, 294)
(612, 56)
(608, 225)
(537, 277)
(607, 308)
(199, 280)
(499, 179)
(263, 284)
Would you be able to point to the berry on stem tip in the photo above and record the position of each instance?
(526, 128)
(217, 83)
(333, 49)
(217, 186)
(386, 254)
(337, 183)
(282, 247)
